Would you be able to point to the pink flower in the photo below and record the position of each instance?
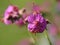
(10, 13)
(36, 23)
(20, 22)
(36, 8)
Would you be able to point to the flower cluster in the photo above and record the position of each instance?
(11, 14)
(36, 22)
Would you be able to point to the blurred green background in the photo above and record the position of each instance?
(10, 34)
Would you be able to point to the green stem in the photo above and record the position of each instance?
(48, 38)
(31, 36)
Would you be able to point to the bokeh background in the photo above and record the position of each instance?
(11, 34)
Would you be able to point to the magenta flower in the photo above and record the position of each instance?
(37, 23)
(36, 8)
(11, 14)
(20, 22)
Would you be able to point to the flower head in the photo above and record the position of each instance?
(20, 22)
(37, 23)
(11, 14)
(36, 8)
